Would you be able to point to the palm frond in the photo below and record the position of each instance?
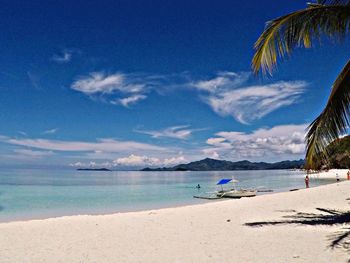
(334, 2)
(332, 122)
(299, 29)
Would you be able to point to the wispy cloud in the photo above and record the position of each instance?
(99, 82)
(51, 131)
(277, 142)
(63, 57)
(32, 153)
(223, 81)
(22, 133)
(101, 145)
(34, 79)
(27, 155)
(178, 132)
(229, 95)
(126, 102)
(119, 88)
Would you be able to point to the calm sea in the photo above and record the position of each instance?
(29, 194)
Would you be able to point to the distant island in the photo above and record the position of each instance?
(221, 165)
(94, 169)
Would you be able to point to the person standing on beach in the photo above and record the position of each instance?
(337, 177)
(348, 174)
(307, 181)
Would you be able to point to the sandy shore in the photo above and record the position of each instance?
(331, 174)
(213, 232)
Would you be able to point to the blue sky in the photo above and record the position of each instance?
(152, 83)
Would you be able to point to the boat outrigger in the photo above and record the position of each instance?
(234, 193)
(231, 193)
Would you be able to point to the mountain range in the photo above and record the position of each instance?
(221, 165)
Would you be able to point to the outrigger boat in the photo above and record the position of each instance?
(234, 193)
(231, 193)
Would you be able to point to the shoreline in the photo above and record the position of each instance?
(106, 213)
(141, 210)
(46, 216)
(324, 175)
(207, 232)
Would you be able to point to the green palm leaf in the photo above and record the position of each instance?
(298, 29)
(332, 122)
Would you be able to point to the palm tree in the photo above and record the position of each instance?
(299, 29)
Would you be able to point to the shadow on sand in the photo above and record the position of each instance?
(330, 217)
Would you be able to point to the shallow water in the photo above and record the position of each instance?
(33, 193)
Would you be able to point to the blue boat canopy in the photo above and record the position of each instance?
(224, 181)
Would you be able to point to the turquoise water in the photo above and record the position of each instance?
(28, 194)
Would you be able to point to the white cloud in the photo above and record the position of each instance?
(103, 145)
(228, 93)
(100, 152)
(181, 132)
(216, 141)
(143, 161)
(278, 142)
(31, 153)
(115, 86)
(223, 80)
(126, 102)
(174, 161)
(137, 160)
(64, 57)
(51, 131)
(252, 103)
(98, 82)
(22, 133)
(91, 164)
(27, 155)
(214, 155)
(227, 96)
(77, 164)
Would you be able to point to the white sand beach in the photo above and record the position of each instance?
(330, 174)
(212, 232)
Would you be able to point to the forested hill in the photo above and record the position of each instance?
(221, 165)
(338, 154)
